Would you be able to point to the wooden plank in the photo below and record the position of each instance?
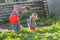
(54, 7)
(3, 17)
(4, 14)
(4, 9)
(45, 6)
(18, 2)
(7, 11)
(36, 8)
(1, 20)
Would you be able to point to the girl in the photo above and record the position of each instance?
(33, 18)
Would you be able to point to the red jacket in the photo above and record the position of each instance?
(14, 19)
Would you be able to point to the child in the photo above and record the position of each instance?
(27, 9)
(14, 19)
(33, 18)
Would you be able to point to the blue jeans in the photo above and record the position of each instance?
(15, 27)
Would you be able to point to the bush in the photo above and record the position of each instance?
(34, 35)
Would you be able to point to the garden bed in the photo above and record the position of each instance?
(47, 33)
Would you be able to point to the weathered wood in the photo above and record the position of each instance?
(54, 7)
(6, 8)
(46, 8)
(2, 17)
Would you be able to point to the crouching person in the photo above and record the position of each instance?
(14, 19)
(33, 19)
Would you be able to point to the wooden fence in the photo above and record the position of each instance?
(6, 8)
(52, 5)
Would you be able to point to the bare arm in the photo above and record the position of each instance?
(30, 17)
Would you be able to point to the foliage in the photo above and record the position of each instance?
(23, 16)
(47, 33)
